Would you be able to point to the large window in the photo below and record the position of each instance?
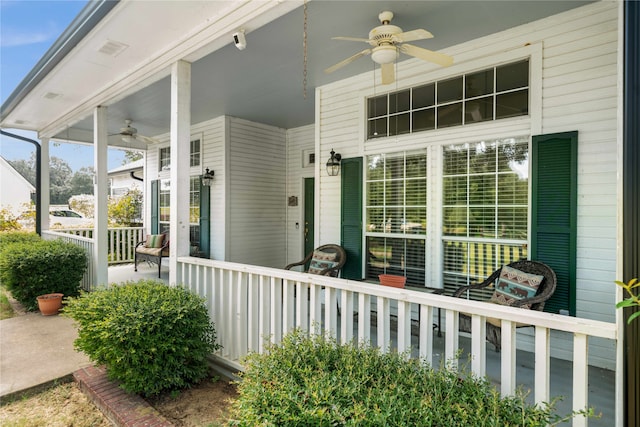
(491, 94)
(485, 208)
(396, 215)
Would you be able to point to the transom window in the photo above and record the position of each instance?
(164, 155)
(491, 94)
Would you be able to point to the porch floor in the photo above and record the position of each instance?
(601, 381)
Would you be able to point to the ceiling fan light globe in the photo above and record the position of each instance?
(384, 54)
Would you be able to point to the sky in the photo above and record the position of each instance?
(28, 28)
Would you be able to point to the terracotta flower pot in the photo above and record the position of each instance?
(49, 304)
(392, 280)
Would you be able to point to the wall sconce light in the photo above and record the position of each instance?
(207, 177)
(333, 164)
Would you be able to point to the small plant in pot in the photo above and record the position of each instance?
(37, 268)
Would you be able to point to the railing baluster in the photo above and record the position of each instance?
(426, 333)
(542, 365)
(478, 345)
(580, 377)
(404, 326)
(451, 338)
(346, 316)
(382, 316)
(364, 318)
(508, 359)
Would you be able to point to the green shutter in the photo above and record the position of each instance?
(351, 213)
(554, 213)
(155, 192)
(205, 214)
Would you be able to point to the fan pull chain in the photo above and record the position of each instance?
(304, 48)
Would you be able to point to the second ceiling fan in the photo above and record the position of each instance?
(388, 41)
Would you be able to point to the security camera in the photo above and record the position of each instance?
(239, 40)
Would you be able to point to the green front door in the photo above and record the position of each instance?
(309, 195)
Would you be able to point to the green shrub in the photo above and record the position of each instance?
(314, 381)
(17, 237)
(35, 267)
(151, 337)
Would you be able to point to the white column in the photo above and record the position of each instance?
(45, 184)
(100, 186)
(180, 149)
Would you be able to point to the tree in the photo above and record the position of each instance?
(59, 181)
(82, 181)
(131, 156)
(126, 210)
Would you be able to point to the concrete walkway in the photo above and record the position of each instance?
(36, 350)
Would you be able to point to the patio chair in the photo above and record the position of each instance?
(152, 250)
(326, 260)
(511, 289)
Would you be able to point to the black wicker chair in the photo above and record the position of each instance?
(545, 291)
(341, 258)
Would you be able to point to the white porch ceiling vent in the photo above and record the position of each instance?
(112, 48)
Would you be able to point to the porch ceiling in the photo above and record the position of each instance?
(263, 83)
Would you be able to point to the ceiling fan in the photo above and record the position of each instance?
(388, 41)
(129, 133)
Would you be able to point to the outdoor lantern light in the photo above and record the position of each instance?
(333, 164)
(207, 177)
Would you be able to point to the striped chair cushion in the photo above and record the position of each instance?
(154, 240)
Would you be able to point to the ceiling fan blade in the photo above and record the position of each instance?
(146, 139)
(388, 73)
(352, 39)
(427, 55)
(410, 36)
(347, 61)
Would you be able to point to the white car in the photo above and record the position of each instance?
(67, 218)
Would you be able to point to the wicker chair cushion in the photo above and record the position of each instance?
(513, 285)
(154, 240)
(321, 261)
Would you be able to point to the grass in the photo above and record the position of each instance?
(60, 406)
(6, 311)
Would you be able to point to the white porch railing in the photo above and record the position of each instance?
(251, 305)
(122, 241)
(89, 277)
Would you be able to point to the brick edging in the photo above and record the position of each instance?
(121, 408)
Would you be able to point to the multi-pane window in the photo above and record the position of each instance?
(164, 205)
(494, 93)
(165, 158)
(396, 215)
(485, 208)
(194, 155)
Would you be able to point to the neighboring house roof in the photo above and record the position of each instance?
(5, 167)
(129, 167)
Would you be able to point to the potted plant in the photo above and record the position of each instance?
(49, 304)
(392, 280)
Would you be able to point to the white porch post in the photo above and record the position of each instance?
(100, 232)
(45, 184)
(180, 150)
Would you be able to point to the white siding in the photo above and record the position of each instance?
(574, 77)
(15, 190)
(256, 232)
